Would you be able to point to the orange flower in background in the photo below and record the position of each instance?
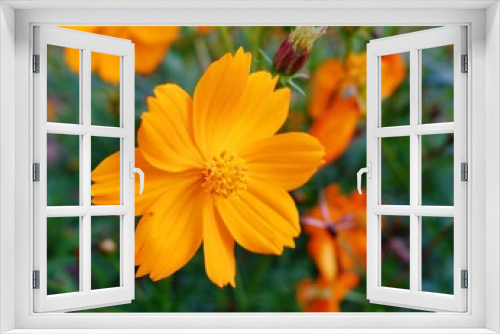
(216, 172)
(334, 78)
(339, 222)
(336, 126)
(151, 46)
(337, 101)
(51, 109)
(325, 296)
(393, 69)
(203, 30)
(337, 244)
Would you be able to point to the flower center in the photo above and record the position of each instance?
(225, 175)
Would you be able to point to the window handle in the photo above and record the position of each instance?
(368, 171)
(141, 175)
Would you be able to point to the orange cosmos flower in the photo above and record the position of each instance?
(334, 78)
(337, 102)
(216, 171)
(337, 244)
(337, 227)
(151, 46)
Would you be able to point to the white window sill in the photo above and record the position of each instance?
(253, 331)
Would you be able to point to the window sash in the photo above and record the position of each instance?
(413, 43)
(86, 297)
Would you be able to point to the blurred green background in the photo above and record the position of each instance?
(264, 283)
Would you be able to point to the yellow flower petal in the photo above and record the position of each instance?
(263, 219)
(288, 160)
(106, 183)
(263, 113)
(147, 57)
(151, 46)
(170, 234)
(218, 100)
(108, 66)
(72, 57)
(151, 35)
(218, 246)
(164, 136)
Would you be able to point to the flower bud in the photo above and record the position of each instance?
(107, 246)
(294, 51)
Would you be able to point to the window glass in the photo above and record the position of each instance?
(63, 94)
(395, 89)
(63, 253)
(63, 170)
(105, 237)
(105, 89)
(395, 170)
(437, 84)
(105, 147)
(395, 252)
(437, 169)
(437, 254)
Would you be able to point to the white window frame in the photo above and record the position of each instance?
(483, 21)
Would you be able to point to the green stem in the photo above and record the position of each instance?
(226, 38)
(202, 52)
(240, 293)
(348, 46)
(260, 272)
(255, 42)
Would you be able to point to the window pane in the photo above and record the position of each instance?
(105, 90)
(103, 147)
(437, 84)
(395, 89)
(63, 171)
(63, 85)
(437, 169)
(63, 268)
(396, 252)
(437, 254)
(105, 252)
(395, 170)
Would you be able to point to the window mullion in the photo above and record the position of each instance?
(414, 171)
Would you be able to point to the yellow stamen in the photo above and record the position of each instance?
(225, 175)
